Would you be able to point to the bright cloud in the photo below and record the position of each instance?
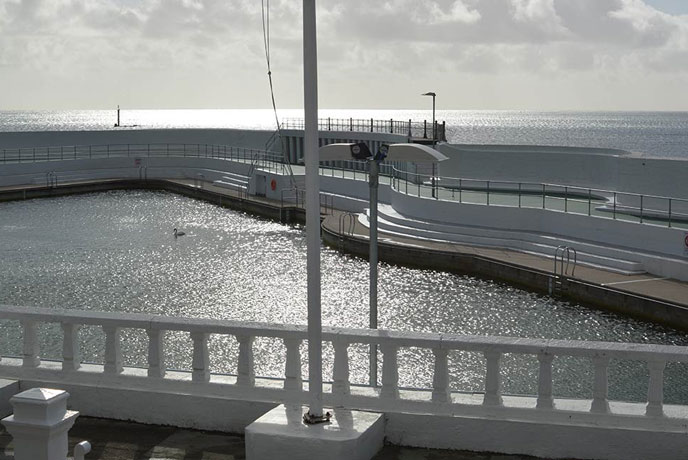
(209, 53)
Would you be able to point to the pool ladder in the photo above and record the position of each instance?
(565, 258)
(51, 179)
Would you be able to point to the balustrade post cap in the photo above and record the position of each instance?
(45, 405)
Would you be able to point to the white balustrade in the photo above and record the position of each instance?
(545, 397)
(201, 359)
(292, 371)
(71, 354)
(440, 381)
(493, 381)
(390, 371)
(440, 395)
(156, 353)
(340, 371)
(113, 350)
(600, 390)
(245, 371)
(30, 344)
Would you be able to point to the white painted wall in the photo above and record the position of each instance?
(660, 249)
(584, 167)
(233, 137)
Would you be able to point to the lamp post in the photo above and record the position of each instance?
(415, 153)
(434, 129)
(434, 138)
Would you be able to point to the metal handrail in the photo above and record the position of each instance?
(409, 128)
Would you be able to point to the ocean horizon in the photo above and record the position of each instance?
(654, 134)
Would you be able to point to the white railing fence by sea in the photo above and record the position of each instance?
(439, 398)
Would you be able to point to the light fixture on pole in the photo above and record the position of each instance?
(414, 153)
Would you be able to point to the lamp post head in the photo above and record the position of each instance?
(429, 94)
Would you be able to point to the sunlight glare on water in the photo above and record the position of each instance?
(115, 251)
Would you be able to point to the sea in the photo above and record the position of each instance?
(654, 134)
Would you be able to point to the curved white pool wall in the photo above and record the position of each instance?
(605, 169)
(661, 250)
(233, 137)
(211, 169)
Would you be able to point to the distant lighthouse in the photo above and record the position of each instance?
(117, 124)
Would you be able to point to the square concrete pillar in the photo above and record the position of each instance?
(40, 424)
(8, 388)
(281, 433)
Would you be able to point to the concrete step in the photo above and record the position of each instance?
(518, 241)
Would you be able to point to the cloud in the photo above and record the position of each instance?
(218, 43)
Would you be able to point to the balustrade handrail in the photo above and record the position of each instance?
(409, 128)
(656, 358)
(640, 352)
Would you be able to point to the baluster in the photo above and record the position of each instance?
(440, 380)
(493, 390)
(156, 353)
(340, 371)
(71, 352)
(390, 372)
(245, 372)
(600, 391)
(655, 390)
(545, 399)
(113, 352)
(292, 372)
(200, 362)
(30, 348)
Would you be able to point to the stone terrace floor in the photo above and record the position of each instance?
(115, 440)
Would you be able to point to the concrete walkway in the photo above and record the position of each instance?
(115, 440)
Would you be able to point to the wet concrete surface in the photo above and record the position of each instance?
(116, 440)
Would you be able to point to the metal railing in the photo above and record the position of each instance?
(441, 398)
(84, 152)
(632, 207)
(416, 129)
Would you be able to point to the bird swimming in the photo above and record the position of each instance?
(176, 233)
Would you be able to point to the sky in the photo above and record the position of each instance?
(475, 54)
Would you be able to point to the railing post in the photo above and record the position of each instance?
(200, 362)
(329, 124)
(600, 390)
(669, 212)
(30, 347)
(113, 351)
(543, 196)
(519, 194)
(410, 133)
(390, 372)
(245, 372)
(589, 202)
(655, 389)
(614, 205)
(340, 371)
(641, 209)
(71, 355)
(391, 126)
(351, 124)
(156, 353)
(545, 399)
(566, 199)
(371, 125)
(488, 192)
(292, 372)
(493, 384)
(425, 129)
(440, 379)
